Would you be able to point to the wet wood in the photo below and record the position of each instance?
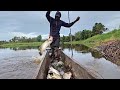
(79, 72)
(41, 72)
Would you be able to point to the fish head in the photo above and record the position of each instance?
(50, 38)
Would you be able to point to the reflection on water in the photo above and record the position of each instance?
(93, 60)
(19, 62)
(82, 49)
(23, 48)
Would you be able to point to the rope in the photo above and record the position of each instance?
(70, 34)
(70, 28)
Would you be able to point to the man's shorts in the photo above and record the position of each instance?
(55, 43)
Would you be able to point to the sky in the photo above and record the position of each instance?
(34, 23)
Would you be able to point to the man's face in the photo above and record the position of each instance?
(57, 18)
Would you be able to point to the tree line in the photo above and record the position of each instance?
(98, 28)
(25, 39)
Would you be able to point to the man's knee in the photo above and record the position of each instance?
(57, 52)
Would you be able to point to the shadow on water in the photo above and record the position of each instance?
(82, 49)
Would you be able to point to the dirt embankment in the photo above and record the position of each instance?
(111, 51)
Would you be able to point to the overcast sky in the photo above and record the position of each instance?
(34, 23)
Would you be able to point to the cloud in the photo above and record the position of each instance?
(45, 36)
(33, 23)
(20, 34)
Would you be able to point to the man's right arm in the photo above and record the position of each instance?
(48, 16)
(70, 24)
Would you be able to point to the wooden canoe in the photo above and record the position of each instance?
(79, 72)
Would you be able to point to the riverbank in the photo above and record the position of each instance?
(108, 44)
(111, 51)
(92, 42)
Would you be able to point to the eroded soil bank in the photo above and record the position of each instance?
(111, 51)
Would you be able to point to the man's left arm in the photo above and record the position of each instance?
(70, 24)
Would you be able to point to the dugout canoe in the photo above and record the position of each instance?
(79, 71)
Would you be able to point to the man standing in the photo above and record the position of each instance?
(55, 26)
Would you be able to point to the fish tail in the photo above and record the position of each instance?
(40, 53)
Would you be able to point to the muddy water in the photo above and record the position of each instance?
(19, 63)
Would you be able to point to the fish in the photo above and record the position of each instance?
(52, 70)
(60, 64)
(54, 64)
(67, 75)
(47, 43)
(62, 72)
(53, 74)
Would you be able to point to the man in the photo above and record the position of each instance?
(55, 26)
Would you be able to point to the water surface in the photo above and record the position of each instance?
(19, 63)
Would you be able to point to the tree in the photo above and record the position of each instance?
(14, 39)
(78, 36)
(86, 34)
(98, 28)
(73, 37)
(39, 38)
(63, 38)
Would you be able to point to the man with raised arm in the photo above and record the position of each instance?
(55, 26)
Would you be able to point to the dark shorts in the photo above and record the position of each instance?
(55, 43)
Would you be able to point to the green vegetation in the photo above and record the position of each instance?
(22, 42)
(97, 29)
(9, 45)
(90, 38)
(25, 39)
(99, 39)
(39, 38)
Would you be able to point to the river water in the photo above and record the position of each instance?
(19, 63)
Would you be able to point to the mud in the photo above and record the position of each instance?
(111, 51)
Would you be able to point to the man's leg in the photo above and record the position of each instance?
(57, 51)
(52, 49)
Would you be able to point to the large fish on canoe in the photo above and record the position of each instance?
(47, 43)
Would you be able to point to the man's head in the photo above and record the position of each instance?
(57, 15)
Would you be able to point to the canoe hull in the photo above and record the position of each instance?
(79, 72)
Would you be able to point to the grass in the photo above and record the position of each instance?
(99, 39)
(8, 45)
